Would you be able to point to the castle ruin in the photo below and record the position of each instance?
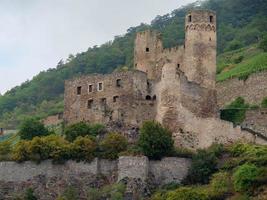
(175, 87)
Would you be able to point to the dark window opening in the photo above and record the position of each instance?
(210, 39)
(154, 97)
(118, 83)
(147, 49)
(178, 66)
(115, 98)
(135, 64)
(148, 97)
(100, 86)
(90, 88)
(90, 103)
(189, 18)
(79, 90)
(211, 19)
(103, 101)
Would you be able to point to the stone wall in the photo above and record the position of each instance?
(121, 99)
(49, 181)
(253, 90)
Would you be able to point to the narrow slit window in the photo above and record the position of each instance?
(100, 86)
(211, 18)
(178, 66)
(115, 98)
(79, 90)
(90, 88)
(103, 101)
(90, 103)
(189, 18)
(118, 83)
(147, 49)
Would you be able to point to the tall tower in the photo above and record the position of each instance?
(148, 47)
(200, 47)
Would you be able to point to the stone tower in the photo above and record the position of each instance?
(200, 47)
(148, 48)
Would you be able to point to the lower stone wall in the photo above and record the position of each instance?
(49, 181)
(253, 90)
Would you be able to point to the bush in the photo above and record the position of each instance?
(264, 103)
(5, 150)
(31, 128)
(21, 151)
(155, 141)
(221, 183)
(245, 177)
(42, 148)
(82, 129)
(263, 43)
(83, 148)
(236, 111)
(203, 166)
(189, 193)
(112, 145)
(29, 194)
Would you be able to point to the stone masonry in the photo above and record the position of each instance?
(175, 87)
(49, 180)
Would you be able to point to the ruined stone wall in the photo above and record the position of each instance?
(49, 181)
(53, 120)
(253, 90)
(121, 99)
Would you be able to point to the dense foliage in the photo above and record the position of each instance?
(155, 141)
(236, 111)
(82, 129)
(240, 23)
(112, 145)
(31, 128)
(242, 174)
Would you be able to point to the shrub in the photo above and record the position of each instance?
(42, 148)
(83, 148)
(31, 128)
(264, 103)
(21, 151)
(112, 145)
(82, 129)
(263, 43)
(29, 194)
(203, 166)
(70, 193)
(189, 193)
(245, 177)
(155, 141)
(236, 111)
(5, 150)
(221, 183)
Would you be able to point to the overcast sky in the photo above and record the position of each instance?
(36, 34)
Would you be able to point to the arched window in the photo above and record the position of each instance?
(148, 97)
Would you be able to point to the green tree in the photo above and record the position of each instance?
(82, 129)
(113, 144)
(155, 141)
(29, 194)
(31, 128)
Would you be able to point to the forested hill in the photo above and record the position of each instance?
(241, 23)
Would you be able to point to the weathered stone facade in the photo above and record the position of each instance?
(253, 90)
(49, 181)
(175, 87)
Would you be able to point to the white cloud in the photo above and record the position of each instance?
(36, 34)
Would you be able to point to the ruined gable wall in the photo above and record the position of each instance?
(130, 106)
(253, 90)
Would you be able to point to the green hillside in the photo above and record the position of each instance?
(241, 23)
